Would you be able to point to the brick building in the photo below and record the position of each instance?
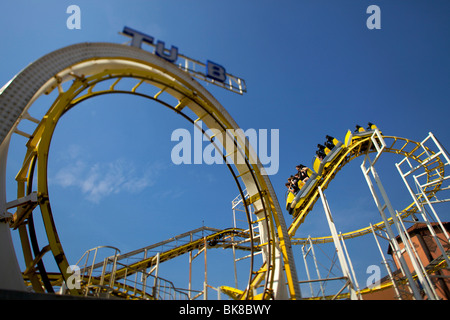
(431, 257)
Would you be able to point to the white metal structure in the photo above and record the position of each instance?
(413, 279)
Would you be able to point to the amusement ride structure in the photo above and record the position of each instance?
(83, 71)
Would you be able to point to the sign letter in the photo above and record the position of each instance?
(215, 71)
(172, 56)
(137, 37)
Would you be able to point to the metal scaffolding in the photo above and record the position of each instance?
(409, 276)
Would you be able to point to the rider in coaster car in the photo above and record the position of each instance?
(329, 143)
(320, 152)
(293, 184)
(302, 172)
(371, 126)
(359, 129)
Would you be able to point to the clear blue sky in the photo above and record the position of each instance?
(312, 68)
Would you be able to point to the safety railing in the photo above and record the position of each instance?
(98, 278)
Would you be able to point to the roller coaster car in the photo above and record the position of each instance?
(319, 165)
(289, 199)
(295, 201)
(301, 184)
(291, 196)
(359, 134)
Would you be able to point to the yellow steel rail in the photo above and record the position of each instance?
(168, 79)
(441, 264)
(128, 270)
(395, 145)
(100, 63)
(172, 253)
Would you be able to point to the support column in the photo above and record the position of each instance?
(392, 238)
(10, 274)
(339, 249)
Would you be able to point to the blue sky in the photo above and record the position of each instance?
(311, 67)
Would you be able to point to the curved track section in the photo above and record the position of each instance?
(77, 71)
(424, 163)
(354, 146)
(127, 275)
(83, 67)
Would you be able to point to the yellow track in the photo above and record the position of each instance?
(110, 63)
(173, 253)
(358, 147)
(147, 69)
(127, 270)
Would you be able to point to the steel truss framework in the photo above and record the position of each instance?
(135, 275)
(85, 71)
(427, 160)
(88, 65)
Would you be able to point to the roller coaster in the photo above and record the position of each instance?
(83, 71)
